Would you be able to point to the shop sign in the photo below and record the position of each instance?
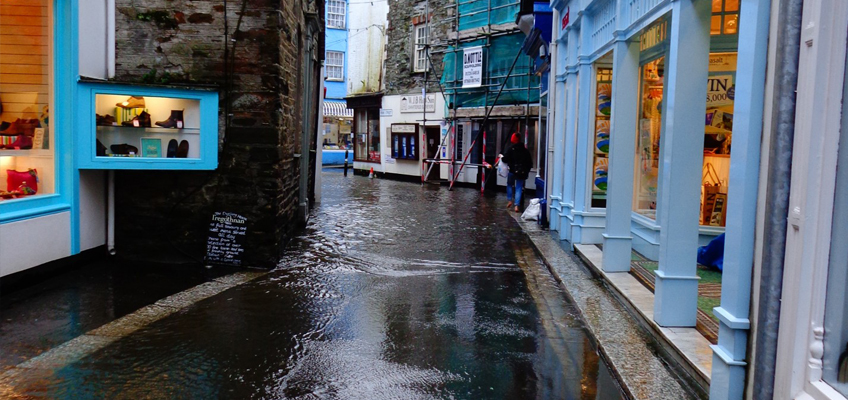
(388, 159)
(565, 18)
(719, 91)
(722, 62)
(415, 103)
(472, 67)
(403, 128)
(385, 112)
(654, 35)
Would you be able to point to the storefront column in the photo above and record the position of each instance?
(585, 132)
(625, 89)
(559, 141)
(728, 371)
(676, 296)
(570, 137)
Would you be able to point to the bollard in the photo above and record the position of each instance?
(345, 164)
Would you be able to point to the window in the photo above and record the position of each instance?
(336, 14)
(420, 63)
(27, 135)
(334, 66)
(648, 135)
(458, 147)
(367, 126)
(725, 19)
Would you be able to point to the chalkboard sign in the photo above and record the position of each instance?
(226, 238)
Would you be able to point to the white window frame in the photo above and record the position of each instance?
(330, 64)
(821, 70)
(420, 61)
(336, 10)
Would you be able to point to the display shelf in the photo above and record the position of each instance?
(156, 129)
(26, 153)
(193, 113)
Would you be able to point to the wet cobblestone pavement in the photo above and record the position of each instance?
(393, 292)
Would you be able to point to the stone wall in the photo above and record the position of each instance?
(165, 214)
(403, 16)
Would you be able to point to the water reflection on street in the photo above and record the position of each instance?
(394, 291)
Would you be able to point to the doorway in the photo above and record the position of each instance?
(433, 135)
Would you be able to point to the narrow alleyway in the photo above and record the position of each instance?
(393, 291)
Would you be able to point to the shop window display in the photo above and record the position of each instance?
(718, 132)
(648, 137)
(26, 92)
(367, 128)
(147, 127)
(600, 164)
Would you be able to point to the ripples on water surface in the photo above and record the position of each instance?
(393, 292)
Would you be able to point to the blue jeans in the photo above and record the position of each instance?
(514, 189)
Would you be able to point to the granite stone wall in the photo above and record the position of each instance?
(403, 16)
(164, 215)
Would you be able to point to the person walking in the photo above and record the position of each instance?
(519, 161)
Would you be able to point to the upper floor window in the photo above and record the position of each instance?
(420, 63)
(725, 18)
(336, 14)
(334, 65)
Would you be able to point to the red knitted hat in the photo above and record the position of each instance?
(514, 139)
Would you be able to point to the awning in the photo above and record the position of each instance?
(337, 109)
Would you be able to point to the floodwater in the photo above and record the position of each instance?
(394, 291)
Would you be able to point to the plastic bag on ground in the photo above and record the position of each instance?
(531, 213)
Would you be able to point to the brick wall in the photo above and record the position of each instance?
(164, 214)
(403, 16)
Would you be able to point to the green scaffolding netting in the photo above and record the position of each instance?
(498, 57)
(474, 14)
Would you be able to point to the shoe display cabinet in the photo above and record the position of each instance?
(155, 128)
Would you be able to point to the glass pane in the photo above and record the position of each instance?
(374, 135)
(648, 138)
(361, 139)
(716, 6)
(715, 25)
(731, 24)
(26, 140)
(151, 127)
(600, 164)
(731, 5)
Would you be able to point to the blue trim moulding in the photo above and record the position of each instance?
(208, 131)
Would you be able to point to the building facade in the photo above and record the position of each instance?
(138, 126)
(677, 122)
(337, 118)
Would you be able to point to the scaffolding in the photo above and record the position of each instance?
(477, 23)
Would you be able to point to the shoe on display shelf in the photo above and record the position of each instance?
(182, 150)
(21, 127)
(132, 102)
(105, 120)
(172, 149)
(140, 121)
(174, 121)
(124, 149)
(22, 142)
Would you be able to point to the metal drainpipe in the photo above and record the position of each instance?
(303, 195)
(777, 195)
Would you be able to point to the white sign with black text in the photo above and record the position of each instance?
(472, 67)
(414, 103)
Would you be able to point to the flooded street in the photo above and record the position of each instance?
(392, 292)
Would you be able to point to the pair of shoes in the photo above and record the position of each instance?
(177, 151)
(22, 142)
(132, 102)
(124, 149)
(20, 127)
(105, 120)
(140, 121)
(509, 205)
(174, 121)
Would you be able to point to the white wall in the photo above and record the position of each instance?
(97, 38)
(367, 23)
(35, 241)
(92, 209)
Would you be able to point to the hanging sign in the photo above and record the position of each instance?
(225, 244)
(565, 18)
(472, 67)
(414, 103)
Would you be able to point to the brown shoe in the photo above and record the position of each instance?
(509, 205)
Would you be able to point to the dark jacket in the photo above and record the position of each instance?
(519, 160)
